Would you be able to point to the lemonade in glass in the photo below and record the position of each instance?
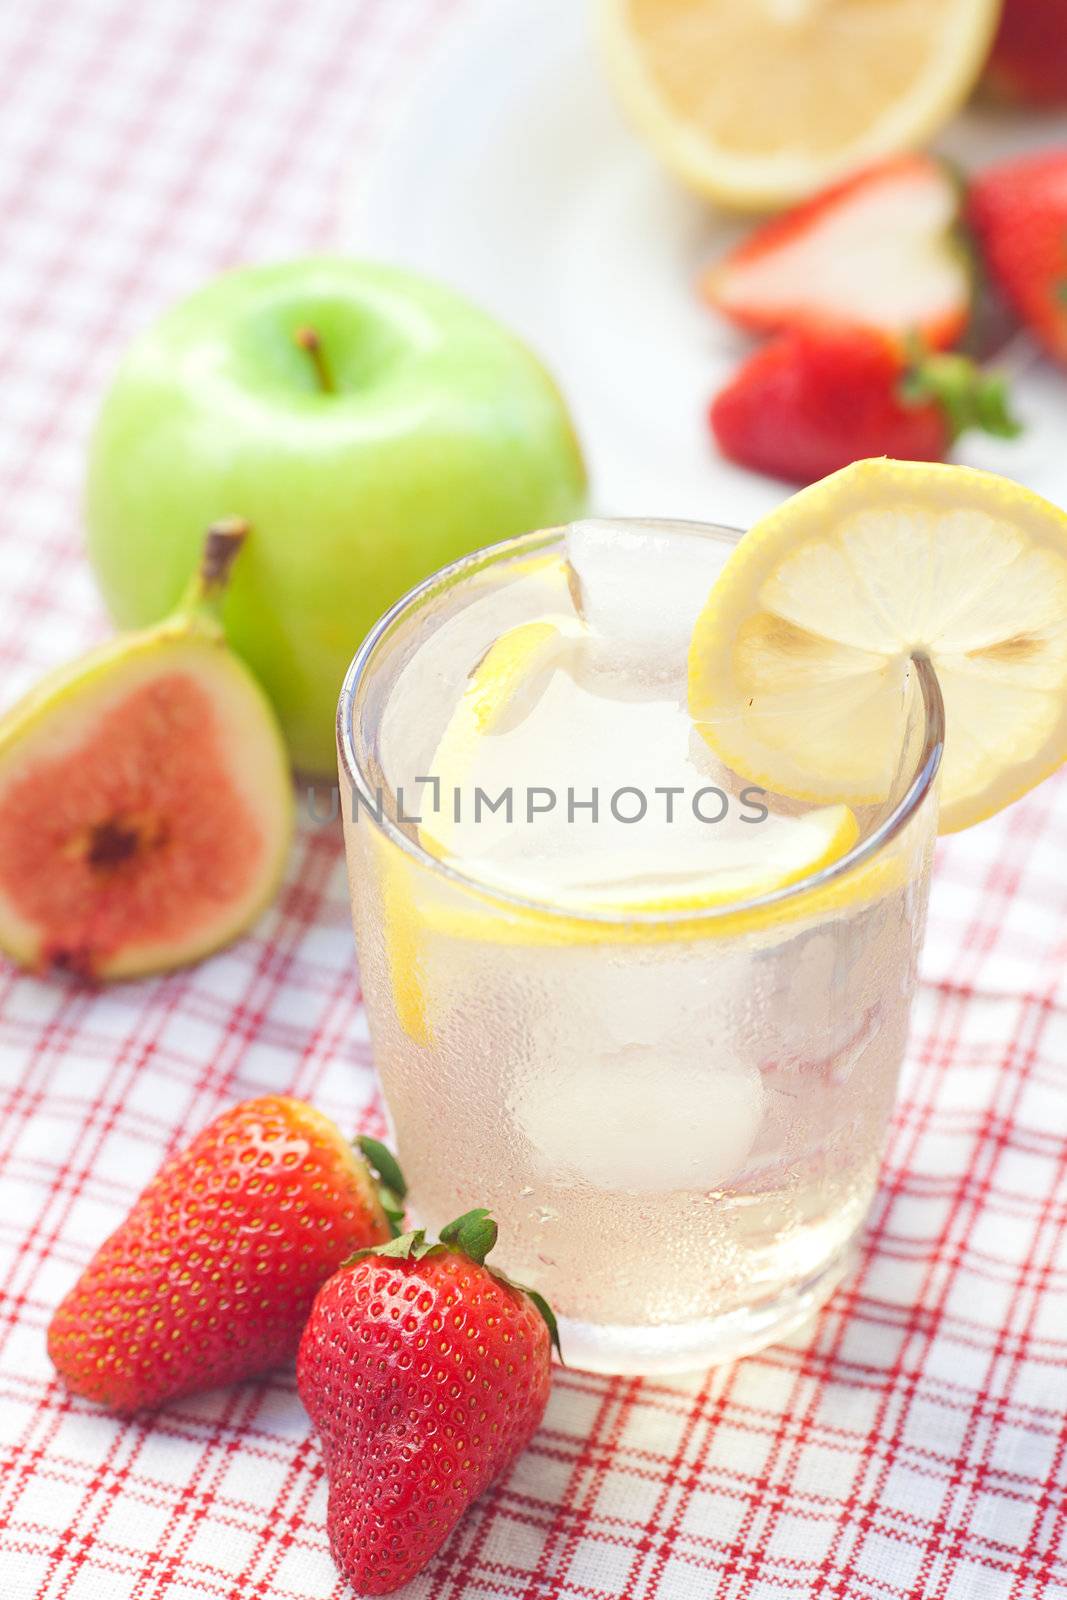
(637, 966)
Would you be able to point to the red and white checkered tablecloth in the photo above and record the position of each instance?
(914, 1443)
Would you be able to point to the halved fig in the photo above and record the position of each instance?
(146, 803)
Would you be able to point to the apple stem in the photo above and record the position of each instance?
(221, 544)
(308, 339)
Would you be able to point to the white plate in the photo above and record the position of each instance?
(511, 175)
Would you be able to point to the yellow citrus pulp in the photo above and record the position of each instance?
(759, 103)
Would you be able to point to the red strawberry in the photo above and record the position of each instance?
(878, 250)
(211, 1276)
(1019, 212)
(808, 403)
(425, 1374)
(1029, 57)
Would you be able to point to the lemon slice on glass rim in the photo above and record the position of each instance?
(761, 102)
(796, 662)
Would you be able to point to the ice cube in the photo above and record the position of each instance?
(637, 1120)
(641, 588)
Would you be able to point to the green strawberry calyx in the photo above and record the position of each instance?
(472, 1235)
(968, 397)
(389, 1180)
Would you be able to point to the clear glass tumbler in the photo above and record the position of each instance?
(592, 1076)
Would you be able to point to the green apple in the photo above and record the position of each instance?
(368, 424)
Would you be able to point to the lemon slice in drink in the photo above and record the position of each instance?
(417, 911)
(419, 908)
(796, 663)
(502, 682)
(500, 691)
(501, 687)
(761, 102)
(781, 853)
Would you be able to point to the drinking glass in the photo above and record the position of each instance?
(676, 1118)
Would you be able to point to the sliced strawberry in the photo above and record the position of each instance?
(1018, 211)
(808, 403)
(879, 250)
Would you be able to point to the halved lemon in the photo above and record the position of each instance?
(797, 661)
(761, 102)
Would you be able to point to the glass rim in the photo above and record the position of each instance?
(447, 577)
